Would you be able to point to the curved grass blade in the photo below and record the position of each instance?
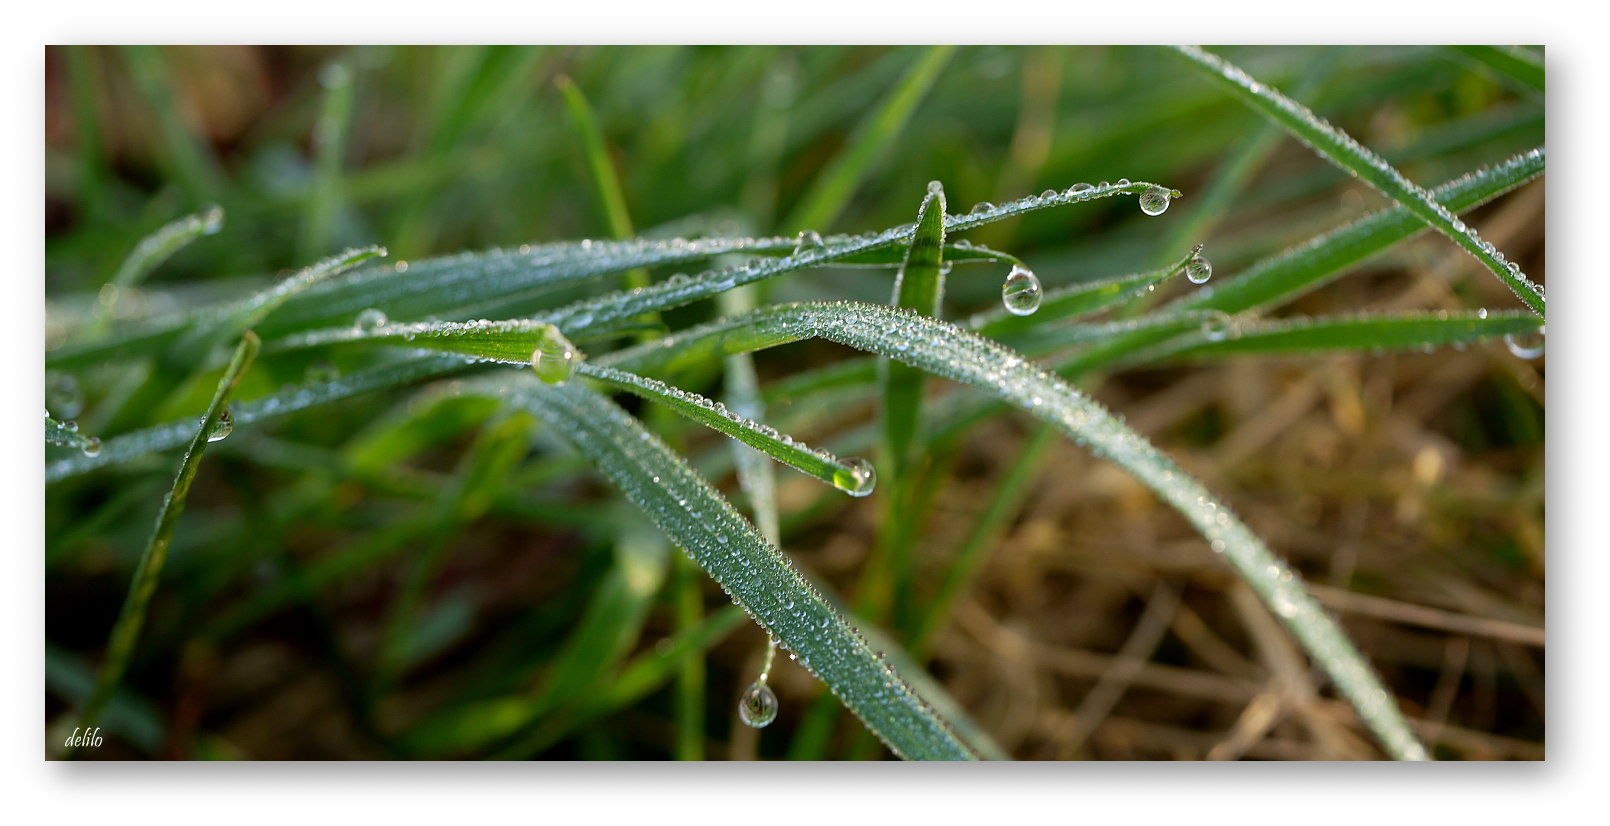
(853, 476)
(956, 354)
(832, 189)
(149, 254)
(606, 182)
(1514, 63)
(1321, 259)
(65, 434)
(1341, 149)
(1374, 332)
(126, 631)
(757, 576)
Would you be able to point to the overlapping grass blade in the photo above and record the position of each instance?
(756, 575)
(1514, 63)
(1367, 332)
(919, 286)
(950, 352)
(126, 631)
(149, 254)
(1341, 149)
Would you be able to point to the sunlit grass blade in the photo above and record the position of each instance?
(832, 189)
(953, 353)
(1341, 149)
(753, 572)
(853, 476)
(172, 434)
(1319, 260)
(1376, 332)
(126, 631)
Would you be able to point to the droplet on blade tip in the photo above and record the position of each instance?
(1021, 292)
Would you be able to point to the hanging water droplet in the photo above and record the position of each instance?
(808, 239)
(92, 446)
(860, 478)
(1199, 270)
(1020, 292)
(1154, 201)
(758, 705)
(554, 360)
(221, 428)
(1525, 345)
(370, 319)
(1216, 327)
(212, 219)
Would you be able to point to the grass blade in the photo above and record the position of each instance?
(126, 631)
(853, 476)
(832, 189)
(329, 147)
(149, 254)
(756, 575)
(920, 287)
(1341, 149)
(1374, 332)
(1514, 63)
(950, 352)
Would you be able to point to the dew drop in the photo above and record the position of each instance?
(758, 705)
(1525, 345)
(92, 446)
(1481, 313)
(1079, 189)
(858, 480)
(370, 319)
(554, 360)
(1021, 291)
(221, 428)
(1199, 270)
(1154, 201)
(982, 206)
(1217, 326)
(212, 219)
(935, 188)
(808, 239)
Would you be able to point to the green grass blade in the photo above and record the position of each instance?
(832, 189)
(191, 161)
(126, 631)
(919, 286)
(329, 149)
(756, 575)
(1341, 149)
(605, 181)
(1514, 63)
(1321, 259)
(953, 353)
(1077, 300)
(1377, 332)
(149, 254)
(65, 434)
(853, 476)
(172, 434)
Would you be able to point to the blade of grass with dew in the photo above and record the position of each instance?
(65, 434)
(832, 189)
(754, 573)
(172, 434)
(1372, 332)
(126, 631)
(953, 353)
(149, 254)
(1341, 149)
(1077, 300)
(1318, 261)
(852, 476)
(330, 133)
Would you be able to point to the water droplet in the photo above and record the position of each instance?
(1199, 270)
(758, 705)
(1123, 182)
(370, 319)
(808, 239)
(554, 360)
(935, 188)
(860, 479)
(1481, 313)
(212, 219)
(1154, 201)
(1021, 291)
(92, 446)
(1525, 345)
(1079, 189)
(221, 428)
(982, 206)
(1217, 326)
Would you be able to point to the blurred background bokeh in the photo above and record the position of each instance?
(1408, 488)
